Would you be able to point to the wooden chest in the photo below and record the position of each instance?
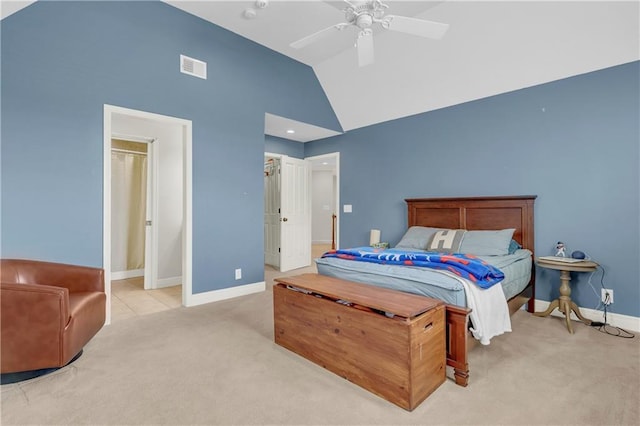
(388, 342)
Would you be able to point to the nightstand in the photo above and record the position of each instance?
(564, 302)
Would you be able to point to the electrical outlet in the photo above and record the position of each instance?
(606, 295)
(238, 274)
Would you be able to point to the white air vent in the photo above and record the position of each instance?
(193, 67)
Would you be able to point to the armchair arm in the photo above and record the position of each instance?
(32, 321)
(73, 277)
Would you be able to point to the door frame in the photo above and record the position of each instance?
(187, 233)
(336, 156)
(268, 155)
(331, 155)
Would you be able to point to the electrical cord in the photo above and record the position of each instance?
(599, 267)
(604, 327)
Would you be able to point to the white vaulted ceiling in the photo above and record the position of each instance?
(491, 47)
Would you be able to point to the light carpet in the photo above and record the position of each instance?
(217, 364)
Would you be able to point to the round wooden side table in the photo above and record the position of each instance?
(564, 302)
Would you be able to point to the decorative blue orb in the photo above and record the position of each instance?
(578, 254)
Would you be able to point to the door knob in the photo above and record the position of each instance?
(284, 219)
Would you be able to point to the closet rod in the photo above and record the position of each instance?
(132, 138)
(127, 151)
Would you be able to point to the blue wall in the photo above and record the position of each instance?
(62, 61)
(277, 145)
(581, 131)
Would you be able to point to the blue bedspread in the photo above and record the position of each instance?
(465, 266)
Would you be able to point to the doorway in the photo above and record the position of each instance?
(323, 220)
(167, 231)
(287, 212)
(325, 201)
(131, 189)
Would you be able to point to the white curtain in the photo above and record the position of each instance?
(128, 210)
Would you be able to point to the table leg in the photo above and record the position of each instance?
(576, 309)
(564, 303)
(565, 306)
(550, 309)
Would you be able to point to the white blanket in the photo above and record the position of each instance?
(489, 310)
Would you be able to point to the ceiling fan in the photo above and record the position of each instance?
(364, 15)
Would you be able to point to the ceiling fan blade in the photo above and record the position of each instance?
(305, 41)
(414, 26)
(365, 48)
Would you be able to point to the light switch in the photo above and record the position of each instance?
(347, 208)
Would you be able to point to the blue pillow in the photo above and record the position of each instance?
(513, 246)
(417, 238)
(487, 243)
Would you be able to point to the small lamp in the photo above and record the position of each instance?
(374, 237)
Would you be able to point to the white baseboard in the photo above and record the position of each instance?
(123, 275)
(169, 282)
(626, 322)
(225, 293)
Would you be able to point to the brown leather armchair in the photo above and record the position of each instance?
(48, 312)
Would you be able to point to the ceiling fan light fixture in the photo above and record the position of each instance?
(364, 20)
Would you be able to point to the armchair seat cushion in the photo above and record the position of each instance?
(49, 311)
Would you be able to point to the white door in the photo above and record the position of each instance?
(295, 214)
(151, 229)
(272, 212)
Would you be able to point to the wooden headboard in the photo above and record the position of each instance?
(476, 213)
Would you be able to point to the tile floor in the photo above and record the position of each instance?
(130, 299)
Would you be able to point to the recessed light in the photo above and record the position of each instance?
(324, 163)
(291, 131)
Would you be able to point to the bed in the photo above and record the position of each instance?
(471, 214)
